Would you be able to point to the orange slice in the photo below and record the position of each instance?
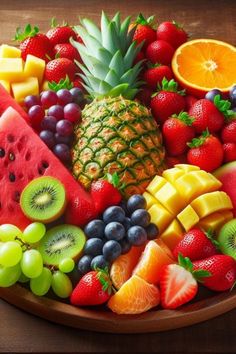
(201, 65)
(134, 297)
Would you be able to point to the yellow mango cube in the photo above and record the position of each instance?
(22, 89)
(189, 187)
(34, 67)
(6, 85)
(173, 234)
(11, 69)
(169, 197)
(208, 181)
(212, 221)
(209, 203)
(155, 184)
(172, 174)
(160, 216)
(186, 167)
(149, 199)
(9, 51)
(188, 218)
(44, 86)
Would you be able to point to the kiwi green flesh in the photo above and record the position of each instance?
(227, 238)
(60, 242)
(43, 199)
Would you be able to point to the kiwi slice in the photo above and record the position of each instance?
(43, 199)
(61, 242)
(227, 238)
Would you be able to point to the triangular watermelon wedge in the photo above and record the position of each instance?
(23, 157)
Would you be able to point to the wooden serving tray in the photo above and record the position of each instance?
(102, 320)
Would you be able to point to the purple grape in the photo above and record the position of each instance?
(77, 94)
(72, 112)
(234, 109)
(210, 95)
(64, 97)
(49, 123)
(62, 151)
(62, 139)
(56, 111)
(48, 99)
(232, 95)
(64, 127)
(48, 138)
(31, 100)
(36, 114)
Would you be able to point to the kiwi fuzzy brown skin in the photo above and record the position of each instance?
(227, 238)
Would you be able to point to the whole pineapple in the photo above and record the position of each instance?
(116, 134)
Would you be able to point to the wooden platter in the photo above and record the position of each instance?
(101, 320)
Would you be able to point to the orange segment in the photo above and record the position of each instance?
(134, 297)
(122, 267)
(154, 257)
(204, 64)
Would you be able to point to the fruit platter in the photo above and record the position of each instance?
(118, 174)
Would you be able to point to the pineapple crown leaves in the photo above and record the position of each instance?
(26, 33)
(185, 118)
(141, 20)
(104, 278)
(169, 86)
(186, 263)
(62, 84)
(196, 142)
(224, 107)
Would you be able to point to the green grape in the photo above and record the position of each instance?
(9, 275)
(10, 254)
(32, 263)
(66, 265)
(8, 232)
(40, 285)
(34, 232)
(61, 284)
(23, 279)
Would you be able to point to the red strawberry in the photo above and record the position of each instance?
(34, 43)
(174, 160)
(177, 131)
(77, 83)
(66, 50)
(80, 211)
(190, 100)
(172, 33)
(222, 269)
(60, 34)
(196, 244)
(140, 56)
(229, 152)
(167, 101)
(59, 68)
(155, 74)
(94, 288)
(205, 152)
(144, 30)
(160, 52)
(228, 134)
(105, 192)
(144, 96)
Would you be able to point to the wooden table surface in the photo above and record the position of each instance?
(21, 332)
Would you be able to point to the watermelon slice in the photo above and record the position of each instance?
(23, 157)
(227, 175)
(7, 101)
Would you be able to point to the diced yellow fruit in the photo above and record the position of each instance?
(45, 86)
(186, 167)
(34, 67)
(212, 221)
(168, 196)
(188, 218)
(189, 187)
(173, 234)
(11, 69)
(172, 174)
(209, 203)
(9, 51)
(6, 85)
(22, 89)
(149, 199)
(208, 181)
(155, 184)
(160, 216)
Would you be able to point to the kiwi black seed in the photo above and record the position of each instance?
(227, 238)
(61, 242)
(43, 199)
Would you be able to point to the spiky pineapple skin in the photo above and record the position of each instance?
(117, 135)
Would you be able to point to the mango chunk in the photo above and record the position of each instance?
(186, 167)
(9, 51)
(208, 181)
(22, 89)
(149, 199)
(209, 203)
(188, 218)
(155, 184)
(189, 187)
(215, 221)
(11, 69)
(228, 215)
(6, 85)
(173, 234)
(168, 196)
(172, 174)
(34, 67)
(160, 216)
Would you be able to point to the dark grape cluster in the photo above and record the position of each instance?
(232, 96)
(53, 115)
(120, 228)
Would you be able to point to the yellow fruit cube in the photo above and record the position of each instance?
(34, 67)
(186, 167)
(209, 203)
(189, 186)
(155, 184)
(208, 181)
(149, 199)
(6, 85)
(172, 174)
(11, 69)
(173, 234)
(168, 196)
(44, 86)
(160, 216)
(212, 221)
(188, 218)
(22, 89)
(9, 51)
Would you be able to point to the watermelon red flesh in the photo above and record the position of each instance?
(6, 101)
(27, 157)
(227, 175)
